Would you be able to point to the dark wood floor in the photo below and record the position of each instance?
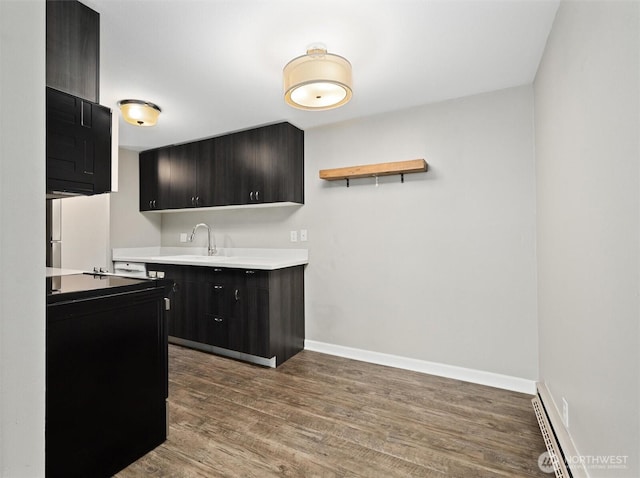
(323, 416)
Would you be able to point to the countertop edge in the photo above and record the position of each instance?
(269, 259)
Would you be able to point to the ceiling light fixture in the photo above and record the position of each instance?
(317, 80)
(139, 113)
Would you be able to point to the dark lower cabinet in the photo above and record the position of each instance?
(254, 297)
(255, 312)
(221, 322)
(106, 382)
(78, 146)
(187, 300)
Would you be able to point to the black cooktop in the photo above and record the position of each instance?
(82, 286)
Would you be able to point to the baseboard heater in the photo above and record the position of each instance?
(556, 457)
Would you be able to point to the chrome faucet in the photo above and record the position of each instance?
(212, 251)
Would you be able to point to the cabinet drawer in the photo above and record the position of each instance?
(215, 330)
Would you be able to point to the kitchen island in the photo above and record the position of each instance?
(106, 372)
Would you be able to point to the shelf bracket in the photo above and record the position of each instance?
(347, 180)
(402, 177)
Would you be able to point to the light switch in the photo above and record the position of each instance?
(294, 236)
(303, 235)
(183, 237)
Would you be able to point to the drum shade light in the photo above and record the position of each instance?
(139, 113)
(318, 80)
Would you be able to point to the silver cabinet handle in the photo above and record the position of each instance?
(218, 287)
(218, 319)
(150, 204)
(193, 200)
(235, 294)
(249, 272)
(257, 195)
(251, 196)
(197, 200)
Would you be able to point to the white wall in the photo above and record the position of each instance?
(128, 227)
(440, 268)
(587, 153)
(22, 238)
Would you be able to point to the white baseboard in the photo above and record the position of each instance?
(491, 379)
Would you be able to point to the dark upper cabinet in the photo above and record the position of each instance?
(183, 175)
(78, 128)
(213, 184)
(225, 171)
(279, 164)
(179, 177)
(267, 165)
(73, 49)
(240, 160)
(78, 145)
(262, 165)
(196, 179)
(155, 168)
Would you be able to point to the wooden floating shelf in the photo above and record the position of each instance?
(375, 170)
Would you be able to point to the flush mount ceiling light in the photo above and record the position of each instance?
(317, 80)
(139, 113)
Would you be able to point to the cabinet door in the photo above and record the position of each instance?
(212, 183)
(78, 145)
(182, 190)
(279, 165)
(148, 167)
(268, 165)
(186, 300)
(73, 49)
(239, 164)
(155, 175)
(192, 309)
(254, 293)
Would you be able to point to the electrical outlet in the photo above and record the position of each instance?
(303, 235)
(294, 236)
(183, 237)
(565, 412)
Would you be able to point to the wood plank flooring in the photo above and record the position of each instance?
(323, 416)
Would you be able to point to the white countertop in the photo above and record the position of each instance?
(238, 258)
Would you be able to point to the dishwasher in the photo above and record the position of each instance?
(130, 269)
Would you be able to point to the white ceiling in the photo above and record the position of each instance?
(215, 66)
